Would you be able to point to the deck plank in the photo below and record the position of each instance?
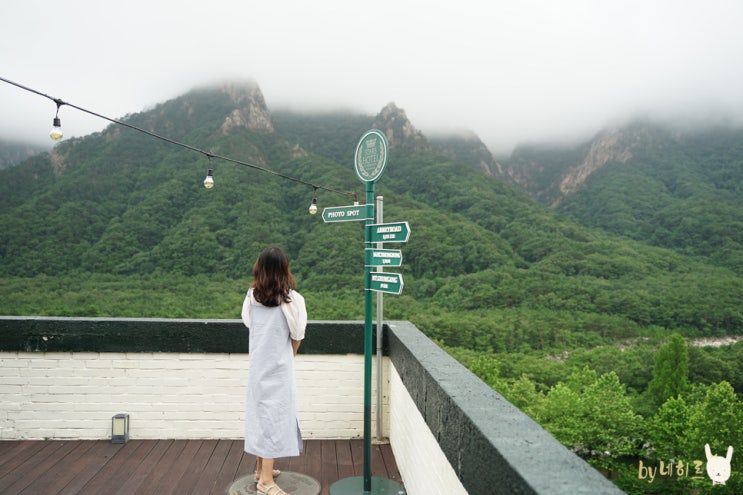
(194, 469)
(357, 456)
(297, 464)
(157, 477)
(145, 468)
(313, 459)
(14, 456)
(61, 473)
(31, 468)
(388, 458)
(344, 460)
(5, 446)
(176, 467)
(209, 474)
(114, 473)
(247, 464)
(329, 467)
(230, 469)
(162, 467)
(89, 465)
(379, 466)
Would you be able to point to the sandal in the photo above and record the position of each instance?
(270, 490)
(276, 474)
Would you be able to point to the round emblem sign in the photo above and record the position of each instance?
(371, 155)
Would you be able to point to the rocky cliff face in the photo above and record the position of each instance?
(251, 110)
(611, 146)
(549, 174)
(400, 133)
(464, 147)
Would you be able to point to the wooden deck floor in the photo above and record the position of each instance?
(142, 467)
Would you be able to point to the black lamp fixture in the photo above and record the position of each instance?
(313, 205)
(56, 133)
(209, 181)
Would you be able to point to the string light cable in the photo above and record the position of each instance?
(56, 135)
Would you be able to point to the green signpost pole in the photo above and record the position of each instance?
(368, 348)
(370, 161)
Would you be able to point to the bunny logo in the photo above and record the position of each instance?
(718, 468)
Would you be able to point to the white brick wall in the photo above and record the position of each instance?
(422, 464)
(194, 395)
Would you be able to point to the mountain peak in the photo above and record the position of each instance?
(251, 112)
(550, 173)
(399, 130)
(465, 146)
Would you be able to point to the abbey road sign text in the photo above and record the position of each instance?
(383, 257)
(389, 232)
(386, 282)
(347, 213)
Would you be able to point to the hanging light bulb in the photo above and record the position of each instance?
(209, 181)
(56, 133)
(313, 206)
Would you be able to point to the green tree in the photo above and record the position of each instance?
(668, 429)
(611, 429)
(560, 415)
(717, 421)
(523, 394)
(487, 368)
(670, 371)
(594, 419)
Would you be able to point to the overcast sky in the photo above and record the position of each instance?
(511, 71)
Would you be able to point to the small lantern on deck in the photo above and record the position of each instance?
(120, 428)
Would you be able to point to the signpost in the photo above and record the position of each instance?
(389, 232)
(370, 161)
(383, 257)
(386, 282)
(347, 213)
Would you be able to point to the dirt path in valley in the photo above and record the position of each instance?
(717, 341)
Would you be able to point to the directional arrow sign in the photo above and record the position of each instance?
(389, 232)
(386, 282)
(383, 257)
(347, 213)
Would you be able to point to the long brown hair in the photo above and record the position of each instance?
(272, 278)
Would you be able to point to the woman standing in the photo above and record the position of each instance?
(276, 316)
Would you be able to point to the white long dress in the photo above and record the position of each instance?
(271, 423)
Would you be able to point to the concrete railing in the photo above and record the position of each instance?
(451, 433)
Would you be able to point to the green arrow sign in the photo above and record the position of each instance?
(383, 257)
(347, 213)
(389, 232)
(386, 282)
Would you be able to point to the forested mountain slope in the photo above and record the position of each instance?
(486, 266)
(555, 315)
(13, 152)
(678, 189)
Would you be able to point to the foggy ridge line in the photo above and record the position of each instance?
(207, 154)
